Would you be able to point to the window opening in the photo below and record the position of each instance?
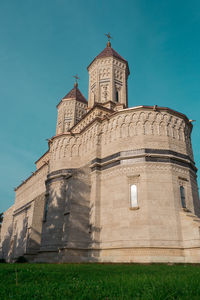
(134, 200)
(117, 96)
(46, 209)
(182, 194)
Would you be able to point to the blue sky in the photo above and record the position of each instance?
(44, 43)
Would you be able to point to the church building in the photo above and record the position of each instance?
(117, 184)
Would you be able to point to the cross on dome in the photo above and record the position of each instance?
(76, 78)
(109, 37)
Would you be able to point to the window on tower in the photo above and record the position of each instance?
(117, 96)
(182, 194)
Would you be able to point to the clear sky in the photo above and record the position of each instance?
(44, 43)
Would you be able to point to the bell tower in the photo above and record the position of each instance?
(108, 75)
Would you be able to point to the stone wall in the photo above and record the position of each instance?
(6, 232)
(43, 160)
(22, 224)
(66, 222)
(35, 230)
(32, 187)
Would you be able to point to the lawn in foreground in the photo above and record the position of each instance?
(99, 281)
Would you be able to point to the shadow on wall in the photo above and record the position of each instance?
(17, 243)
(14, 243)
(5, 246)
(195, 195)
(67, 228)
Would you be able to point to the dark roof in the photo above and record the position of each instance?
(108, 52)
(76, 94)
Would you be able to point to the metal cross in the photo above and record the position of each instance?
(76, 77)
(108, 36)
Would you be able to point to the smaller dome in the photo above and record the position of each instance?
(75, 93)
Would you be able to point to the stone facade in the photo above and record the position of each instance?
(117, 184)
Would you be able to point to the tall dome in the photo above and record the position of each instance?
(108, 75)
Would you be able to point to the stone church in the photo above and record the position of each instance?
(117, 184)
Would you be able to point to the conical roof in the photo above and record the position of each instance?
(110, 52)
(75, 93)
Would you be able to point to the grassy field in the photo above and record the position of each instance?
(99, 281)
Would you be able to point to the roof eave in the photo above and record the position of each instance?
(124, 61)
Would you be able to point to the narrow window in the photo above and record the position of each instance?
(46, 209)
(134, 201)
(117, 96)
(182, 194)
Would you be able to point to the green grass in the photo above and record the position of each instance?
(99, 281)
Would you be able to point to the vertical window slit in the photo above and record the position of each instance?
(46, 209)
(117, 96)
(182, 194)
(134, 200)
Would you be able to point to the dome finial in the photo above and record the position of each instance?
(109, 37)
(76, 78)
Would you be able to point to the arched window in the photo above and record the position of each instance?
(117, 96)
(182, 194)
(133, 194)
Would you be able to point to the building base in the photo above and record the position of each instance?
(125, 255)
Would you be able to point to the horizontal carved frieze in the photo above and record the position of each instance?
(117, 127)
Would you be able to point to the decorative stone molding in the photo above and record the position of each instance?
(122, 126)
(140, 168)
